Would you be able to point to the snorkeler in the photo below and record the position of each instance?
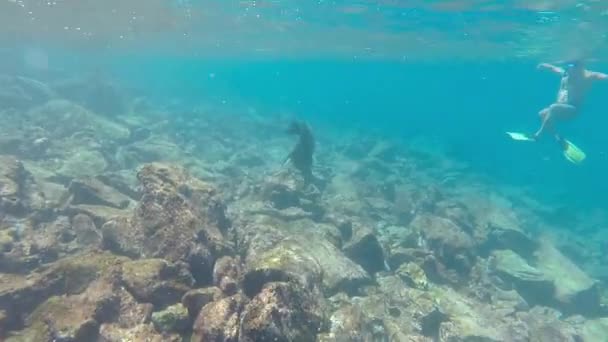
(575, 82)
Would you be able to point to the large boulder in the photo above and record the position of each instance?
(531, 283)
(88, 280)
(281, 312)
(574, 293)
(308, 263)
(452, 245)
(178, 218)
(364, 248)
(219, 320)
(92, 191)
(156, 281)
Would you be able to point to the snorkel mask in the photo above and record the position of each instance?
(573, 64)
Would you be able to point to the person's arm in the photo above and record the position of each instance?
(597, 76)
(551, 67)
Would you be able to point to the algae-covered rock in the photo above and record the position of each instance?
(19, 296)
(179, 218)
(195, 299)
(281, 312)
(574, 293)
(172, 319)
(468, 319)
(88, 301)
(413, 275)
(156, 281)
(452, 245)
(530, 282)
(219, 320)
(120, 237)
(85, 230)
(595, 330)
(92, 191)
(304, 262)
(140, 332)
(364, 249)
(81, 163)
(351, 323)
(18, 191)
(226, 274)
(64, 319)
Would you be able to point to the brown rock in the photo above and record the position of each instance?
(219, 320)
(178, 218)
(226, 274)
(194, 300)
(364, 249)
(156, 281)
(86, 232)
(91, 191)
(18, 192)
(451, 244)
(281, 312)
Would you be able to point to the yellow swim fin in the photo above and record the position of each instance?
(573, 153)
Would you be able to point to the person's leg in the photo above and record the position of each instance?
(556, 111)
(546, 117)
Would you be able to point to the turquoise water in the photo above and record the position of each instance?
(459, 73)
(448, 78)
(466, 107)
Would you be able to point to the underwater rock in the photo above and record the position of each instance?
(156, 281)
(178, 218)
(304, 262)
(413, 275)
(219, 320)
(172, 319)
(281, 312)
(153, 149)
(91, 191)
(125, 181)
(81, 163)
(576, 293)
(287, 261)
(64, 119)
(85, 230)
(194, 300)
(594, 330)
(140, 332)
(500, 237)
(452, 245)
(226, 274)
(19, 194)
(98, 213)
(121, 238)
(284, 190)
(20, 92)
(350, 323)
(364, 249)
(468, 319)
(529, 281)
(87, 282)
(546, 324)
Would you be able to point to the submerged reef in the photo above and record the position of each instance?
(113, 227)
